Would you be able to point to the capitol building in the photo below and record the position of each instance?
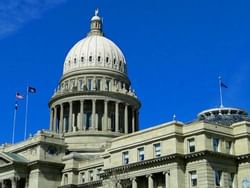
(94, 141)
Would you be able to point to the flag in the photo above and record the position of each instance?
(19, 96)
(223, 85)
(31, 89)
(16, 106)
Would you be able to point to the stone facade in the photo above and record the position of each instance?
(94, 139)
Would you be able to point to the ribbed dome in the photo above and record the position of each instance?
(95, 51)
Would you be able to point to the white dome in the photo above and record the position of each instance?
(95, 51)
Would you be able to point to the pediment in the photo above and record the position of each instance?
(4, 160)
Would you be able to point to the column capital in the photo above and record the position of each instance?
(133, 179)
(149, 175)
(166, 172)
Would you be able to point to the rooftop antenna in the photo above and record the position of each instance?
(174, 117)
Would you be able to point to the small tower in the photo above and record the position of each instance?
(96, 25)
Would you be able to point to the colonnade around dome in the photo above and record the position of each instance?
(92, 114)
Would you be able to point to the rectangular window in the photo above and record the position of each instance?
(228, 147)
(125, 157)
(91, 175)
(191, 145)
(193, 178)
(98, 175)
(157, 150)
(89, 86)
(140, 154)
(88, 119)
(98, 84)
(108, 84)
(217, 177)
(82, 176)
(216, 143)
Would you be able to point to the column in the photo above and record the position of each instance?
(167, 173)
(93, 114)
(126, 119)
(116, 117)
(61, 119)
(4, 185)
(134, 182)
(70, 116)
(55, 118)
(105, 123)
(81, 114)
(51, 119)
(14, 183)
(150, 181)
(119, 185)
(133, 120)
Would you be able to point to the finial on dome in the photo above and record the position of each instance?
(96, 12)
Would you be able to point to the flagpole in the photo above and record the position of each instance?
(221, 97)
(26, 114)
(14, 124)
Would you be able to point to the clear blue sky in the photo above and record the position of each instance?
(175, 52)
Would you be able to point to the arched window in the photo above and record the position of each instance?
(99, 58)
(90, 58)
(82, 59)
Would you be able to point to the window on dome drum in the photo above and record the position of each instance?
(193, 179)
(114, 60)
(98, 84)
(82, 59)
(82, 177)
(80, 84)
(90, 58)
(107, 59)
(216, 143)
(108, 84)
(75, 60)
(229, 147)
(140, 154)
(157, 150)
(99, 58)
(88, 120)
(191, 145)
(217, 177)
(89, 84)
(69, 63)
(125, 157)
(91, 175)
